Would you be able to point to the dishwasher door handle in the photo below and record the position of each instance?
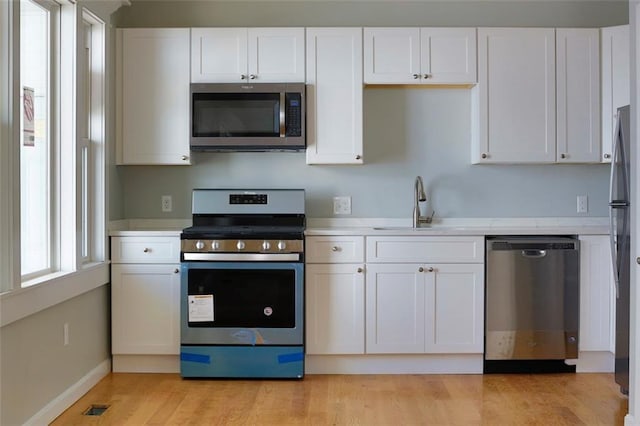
(534, 253)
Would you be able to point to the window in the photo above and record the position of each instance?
(37, 137)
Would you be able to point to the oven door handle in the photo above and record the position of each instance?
(246, 257)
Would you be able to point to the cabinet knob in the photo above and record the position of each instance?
(421, 269)
(358, 157)
(146, 250)
(253, 77)
(607, 156)
(175, 271)
(359, 270)
(416, 76)
(430, 269)
(427, 76)
(335, 248)
(484, 155)
(185, 158)
(563, 155)
(638, 260)
(243, 77)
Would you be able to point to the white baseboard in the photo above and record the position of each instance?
(394, 364)
(67, 398)
(146, 363)
(629, 420)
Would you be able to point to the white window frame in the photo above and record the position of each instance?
(74, 275)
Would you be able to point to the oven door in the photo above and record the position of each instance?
(242, 303)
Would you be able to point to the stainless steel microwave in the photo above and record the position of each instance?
(247, 117)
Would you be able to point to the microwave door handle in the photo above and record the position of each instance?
(283, 130)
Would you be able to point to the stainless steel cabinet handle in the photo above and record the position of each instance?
(185, 158)
(175, 271)
(421, 269)
(427, 76)
(416, 76)
(563, 155)
(607, 156)
(484, 155)
(358, 157)
(253, 76)
(359, 270)
(243, 77)
(638, 260)
(430, 269)
(146, 250)
(335, 248)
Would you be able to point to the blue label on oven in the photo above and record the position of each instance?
(189, 357)
(293, 357)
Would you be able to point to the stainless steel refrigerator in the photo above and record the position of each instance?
(620, 218)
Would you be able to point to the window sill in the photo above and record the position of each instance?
(44, 292)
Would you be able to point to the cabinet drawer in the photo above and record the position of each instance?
(145, 249)
(425, 249)
(335, 249)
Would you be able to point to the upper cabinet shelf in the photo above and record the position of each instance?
(420, 55)
(260, 55)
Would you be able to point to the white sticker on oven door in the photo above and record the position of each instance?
(201, 308)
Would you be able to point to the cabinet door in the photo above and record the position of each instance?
(152, 75)
(334, 96)
(448, 55)
(516, 76)
(335, 309)
(616, 83)
(454, 308)
(392, 55)
(276, 54)
(395, 308)
(145, 309)
(578, 95)
(597, 294)
(218, 55)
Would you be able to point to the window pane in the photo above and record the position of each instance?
(35, 185)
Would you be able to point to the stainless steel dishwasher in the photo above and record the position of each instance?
(532, 303)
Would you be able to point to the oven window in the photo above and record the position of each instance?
(249, 298)
(236, 114)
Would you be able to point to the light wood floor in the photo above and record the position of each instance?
(554, 399)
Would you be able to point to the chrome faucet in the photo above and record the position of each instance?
(419, 196)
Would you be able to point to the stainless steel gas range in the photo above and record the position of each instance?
(242, 285)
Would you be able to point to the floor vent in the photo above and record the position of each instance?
(96, 410)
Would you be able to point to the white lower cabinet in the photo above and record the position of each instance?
(425, 308)
(145, 303)
(335, 309)
(334, 294)
(145, 309)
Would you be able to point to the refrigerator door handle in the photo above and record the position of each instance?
(612, 221)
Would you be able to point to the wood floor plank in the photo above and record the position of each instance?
(492, 399)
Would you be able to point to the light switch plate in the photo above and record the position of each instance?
(342, 205)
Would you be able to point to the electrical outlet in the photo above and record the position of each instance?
(65, 334)
(167, 203)
(582, 204)
(342, 205)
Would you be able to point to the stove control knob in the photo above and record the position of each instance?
(282, 245)
(266, 245)
(240, 245)
(215, 245)
(199, 245)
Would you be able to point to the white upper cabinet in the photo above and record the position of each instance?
(419, 55)
(517, 108)
(615, 81)
(334, 96)
(263, 55)
(152, 96)
(578, 95)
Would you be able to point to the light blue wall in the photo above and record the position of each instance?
(407, 132)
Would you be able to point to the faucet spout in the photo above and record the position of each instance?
(418, 197)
